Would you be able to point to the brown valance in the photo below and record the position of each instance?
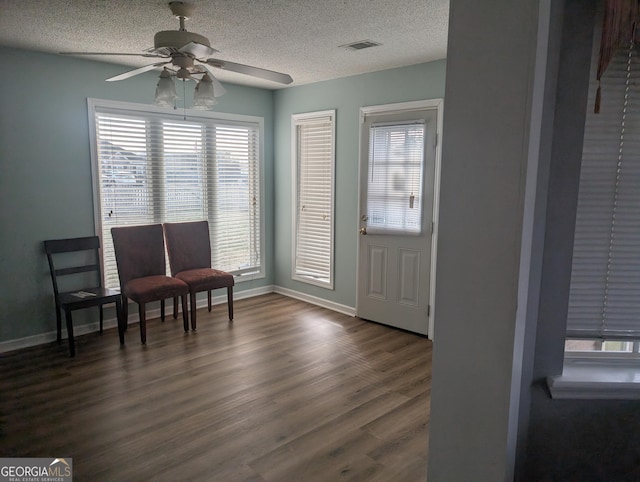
(618, 30)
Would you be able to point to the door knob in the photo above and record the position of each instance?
(363, 231)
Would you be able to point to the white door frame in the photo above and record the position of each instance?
(429, 104)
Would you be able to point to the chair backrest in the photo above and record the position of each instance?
(90, 244)
(188, 245)
(139, 251)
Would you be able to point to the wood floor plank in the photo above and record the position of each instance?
(287, 391)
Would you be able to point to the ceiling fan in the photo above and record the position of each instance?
(187, 54)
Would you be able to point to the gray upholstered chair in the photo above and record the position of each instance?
(142, 272)
(189, 250)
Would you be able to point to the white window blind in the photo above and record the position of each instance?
(394, 192)
(604, 299)
(155, 168)
(313, 215)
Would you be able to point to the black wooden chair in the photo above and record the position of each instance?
(82, 257)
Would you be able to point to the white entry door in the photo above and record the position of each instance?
(397, 179)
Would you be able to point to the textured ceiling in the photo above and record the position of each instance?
(298, 37)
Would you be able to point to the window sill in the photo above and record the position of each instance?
(313, 281)
(597, 379)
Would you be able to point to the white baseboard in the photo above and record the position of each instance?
(49, 337)
(314, 300)
(94, 327)
(237, 295)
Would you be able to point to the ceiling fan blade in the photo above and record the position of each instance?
(218, 88)
(131, 73)
(111, 53)
(249, 70)
(198, 50)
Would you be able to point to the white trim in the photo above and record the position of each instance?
(95, 174)
(29, 341)
(147, 108)
(401, 107)
(330, 305)
(237, 295)
(436, 104)
(596, 379)
(42, 338)
(314, 115)
(313, 281)
(79, 330)
(439, 106)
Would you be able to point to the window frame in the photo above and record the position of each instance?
(593, 186)
(296, 120)
(597, 374)
(373, 124)
(145, 109)
(603, 354)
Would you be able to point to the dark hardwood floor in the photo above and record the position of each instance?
(287, 392)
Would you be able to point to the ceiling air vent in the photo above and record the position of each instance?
(360, 44)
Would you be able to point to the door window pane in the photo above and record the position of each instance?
(395, 178)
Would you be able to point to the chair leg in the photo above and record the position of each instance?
(101, 319)
(125, 313)
(185, 314)
(59, 323)
(192, 299)
(162, 310)
(209, 300)
(230, 301)
(175, 307)
(72, 345)
(143, 324)
(120, 320)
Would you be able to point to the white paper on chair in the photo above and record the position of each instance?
(83, 294)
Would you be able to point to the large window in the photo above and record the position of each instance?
(313, 155)
(604, 301)
(153, 166)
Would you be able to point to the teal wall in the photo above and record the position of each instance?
(45, 171)
(45, 168)
(346, 95)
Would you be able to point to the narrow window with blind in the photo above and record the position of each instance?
(313, 167)
(604, 301)
(153, 166)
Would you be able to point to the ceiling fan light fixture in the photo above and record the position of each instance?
(190, 53)
(166, 94)
(203, 97)
(183, 74)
